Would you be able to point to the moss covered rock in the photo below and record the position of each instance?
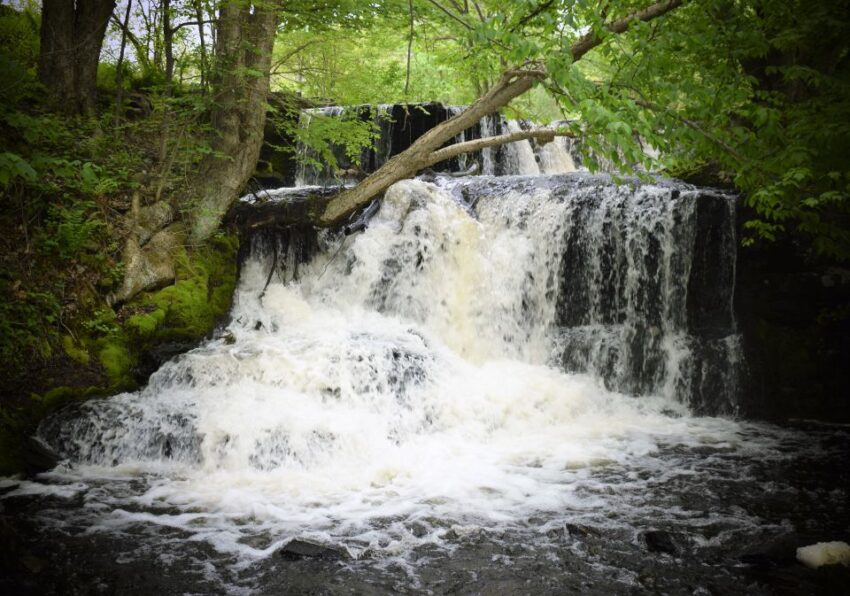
(190, 308)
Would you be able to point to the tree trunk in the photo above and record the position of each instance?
(245, 37)
(199, 15)
(119, 68)
(168, 46)
(244, 43)
(71, 37)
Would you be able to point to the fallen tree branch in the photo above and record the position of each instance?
(543, 135)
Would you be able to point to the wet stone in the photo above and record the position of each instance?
(579, 531)
(299, 548)
(660, 541)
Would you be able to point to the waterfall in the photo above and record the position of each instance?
(311, 170)
(646, 280)
(488, 129)
(464, 358)
(397, 126)
(462, 158)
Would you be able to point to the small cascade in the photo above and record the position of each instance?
(462, 158)
(555, 157)
(520, 158)
(311, 170)
(488, 160)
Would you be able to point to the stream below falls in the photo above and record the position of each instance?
(502, 386)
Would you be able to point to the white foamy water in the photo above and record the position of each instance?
(402, 380)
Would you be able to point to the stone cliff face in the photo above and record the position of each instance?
(794, 314)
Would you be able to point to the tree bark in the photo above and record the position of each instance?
(119, 68)
(591, 40)
(168, 46)
(409, 47)
(199, 15)
(541, 135)
(244, 43)
(71, 37)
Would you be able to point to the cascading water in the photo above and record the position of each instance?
(555, 157)
(406, 373)
(488, 129)
(506, 367)
(520, 156)
(462, 158)
(310, 170)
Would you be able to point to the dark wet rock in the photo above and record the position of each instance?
(830, 580)
(419, 530)
(152, 360)
(796, 342)
(779, 551)
(38, 457)
(646, 577)
(581, 531)
(660, 541)
(300, 548)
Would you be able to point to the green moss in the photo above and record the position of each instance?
(53, 399)
(75, 351)
(58, 396)
(190, 308)
(144, 325)
(117, 362)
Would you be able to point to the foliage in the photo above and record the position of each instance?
(769, 106)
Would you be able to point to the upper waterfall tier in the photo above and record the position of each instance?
(397, 126)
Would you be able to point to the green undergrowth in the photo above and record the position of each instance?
(102, 353)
